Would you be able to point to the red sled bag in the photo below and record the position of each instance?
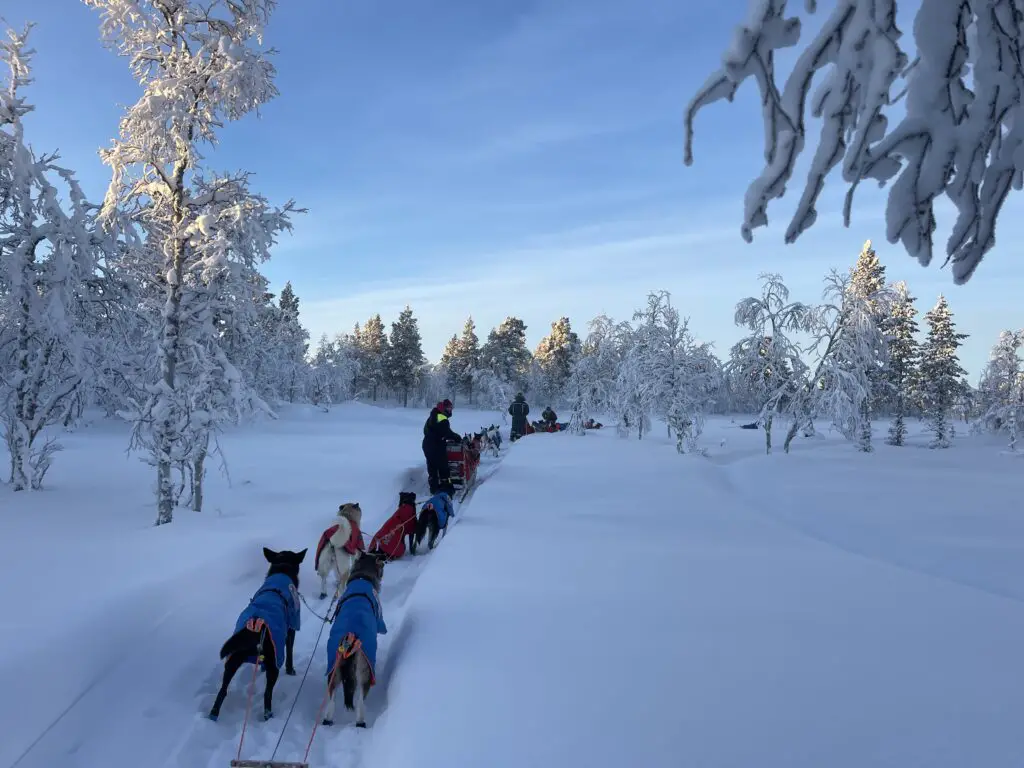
(390, 539)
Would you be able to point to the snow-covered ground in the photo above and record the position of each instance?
(600, 602)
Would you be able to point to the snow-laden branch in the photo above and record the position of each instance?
(961, 136)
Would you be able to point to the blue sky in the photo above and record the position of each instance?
(497, 158)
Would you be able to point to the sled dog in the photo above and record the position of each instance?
(352, 644)
(265, 630)
(338, 546)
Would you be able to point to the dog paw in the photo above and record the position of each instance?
(360, 725)
(267, 714)
(213, 716)
(323, 595)
(290, 671)
(325, 721)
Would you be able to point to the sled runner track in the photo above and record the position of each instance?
(214, 744)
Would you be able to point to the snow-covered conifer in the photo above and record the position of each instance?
(292, 345)
(1001, 389)
(405, 354)
(200, 65)
(373, 356)
(904, 352)
(505, 353)
(555, 355)
(940, 372)
(867, 283)
(959, 135)
(768, 360)
(47, 253)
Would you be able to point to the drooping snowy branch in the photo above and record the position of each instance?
(961, 135)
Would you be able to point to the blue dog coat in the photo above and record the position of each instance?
(359, 613)
(442, 503)
(277, 603)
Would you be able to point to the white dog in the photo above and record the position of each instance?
(339, 545)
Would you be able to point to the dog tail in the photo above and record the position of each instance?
(244, 639)
(348, 681)
(351, 656)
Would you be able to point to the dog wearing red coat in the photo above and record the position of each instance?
(338, 546)
(390, 540)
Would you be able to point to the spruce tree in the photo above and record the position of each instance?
(904, 355)
(373, 342)
(451, 363)
(1001, 389)
(940, 372)
(867, 284)
(405, 354)
(555, 356)
(469, 356)
(505, 353)
(292, 342)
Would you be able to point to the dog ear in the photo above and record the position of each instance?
(270, 554)
(300, 556)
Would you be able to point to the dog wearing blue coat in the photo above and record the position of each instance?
(433, 518)
(352, 643)
(265, 630)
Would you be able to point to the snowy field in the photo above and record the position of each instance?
(600, 602)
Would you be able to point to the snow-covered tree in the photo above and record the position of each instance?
(333, 371)
(373, 356)
(960, 134)
(768, 360)
(200, 65)
(846, 340)
(461, 360)
(1001, 388)
(505, 353)
(592, 387)
(698, 381)
(940, 372)
(904, 352)
(47, 253)
(867, 283)
(554, 356)
(405, 354)
(292, 345)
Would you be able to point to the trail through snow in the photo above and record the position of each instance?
(149, 674)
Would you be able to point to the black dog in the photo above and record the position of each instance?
(269, 622)
(433, 518)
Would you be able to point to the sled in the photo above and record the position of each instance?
(462, 463)
(266, 764)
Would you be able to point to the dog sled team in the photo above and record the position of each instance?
(264, 632)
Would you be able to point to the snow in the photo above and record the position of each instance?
(598, 602)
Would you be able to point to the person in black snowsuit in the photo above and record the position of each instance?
(518, 410)
(549, 416)
(437, 431)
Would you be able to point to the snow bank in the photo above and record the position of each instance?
(608, 603)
